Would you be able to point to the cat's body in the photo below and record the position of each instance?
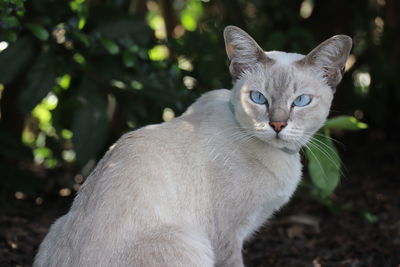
(187, 192)
(213, 197)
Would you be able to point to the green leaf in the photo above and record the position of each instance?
(81, 37)
(64, 81)
(323, 164)
(189, 22)
(370, 217)
(129, 58)
(15, 58)
(159, 52)
(111, 47)
(10, 36)
(191, 14)
(10, 21)
(345, 123)
(90, 124)
(38, 31)
(79, 59)
(81, 23)
(40, 81)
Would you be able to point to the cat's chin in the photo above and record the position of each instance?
(283, 144)
(280, 142)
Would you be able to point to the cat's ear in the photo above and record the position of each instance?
(243, 52)
(331, 56)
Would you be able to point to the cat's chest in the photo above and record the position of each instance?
(253, 191)
(271, 177)
(249, 185)
(273, 185)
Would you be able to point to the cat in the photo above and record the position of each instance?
(190, 191)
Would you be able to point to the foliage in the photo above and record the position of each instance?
(76, 74)
(324, 164)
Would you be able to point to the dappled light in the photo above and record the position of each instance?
(185, 64)
(191, 14)
(155, 20)
(362, 82)
(189, 82)
(64, 192)
(168, 114)
(159, 53)
(59, 33)
(3, 45)
(306, 8)
(20, 195)
(39, 201)
(118, 84)
(68, 155)
(64, 81)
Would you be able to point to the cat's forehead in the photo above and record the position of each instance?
(276, 73)
(283, 58)
(281, 69)
(283, 77)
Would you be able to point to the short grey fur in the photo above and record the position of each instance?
(190, 191)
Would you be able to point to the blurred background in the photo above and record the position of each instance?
(75, 75)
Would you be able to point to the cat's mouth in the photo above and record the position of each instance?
(281, 141)
(278, 140)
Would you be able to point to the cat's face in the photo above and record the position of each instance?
(282, 105)
(283, 98)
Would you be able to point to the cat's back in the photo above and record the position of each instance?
(206, 114)
(154, 144)
(154, 158)
(209, 110)
(149, 152)
(138, 178)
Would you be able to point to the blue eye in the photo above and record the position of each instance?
(302, 101)
(257, 98)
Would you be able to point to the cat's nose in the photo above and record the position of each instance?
(277, 125)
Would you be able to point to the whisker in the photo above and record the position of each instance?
(329, 157)
(331, 138)
(319, 163)
(312, 138)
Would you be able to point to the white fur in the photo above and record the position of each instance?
(284, 58)
(190, 191)
(156, 197)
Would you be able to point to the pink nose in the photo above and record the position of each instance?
(278, 125)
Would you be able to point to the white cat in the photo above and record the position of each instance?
(190, 191)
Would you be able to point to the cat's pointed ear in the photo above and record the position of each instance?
(331, 56)
(243, 52)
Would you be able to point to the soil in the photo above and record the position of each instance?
(359, 227)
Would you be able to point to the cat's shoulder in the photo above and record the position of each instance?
(215, 95)
(212, 106)
(215, 99)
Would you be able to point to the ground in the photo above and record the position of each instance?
(361, 228)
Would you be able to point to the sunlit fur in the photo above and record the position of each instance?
(189, 192)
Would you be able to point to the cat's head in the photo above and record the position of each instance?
(283, 98)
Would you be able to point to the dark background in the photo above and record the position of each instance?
(75, 75)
